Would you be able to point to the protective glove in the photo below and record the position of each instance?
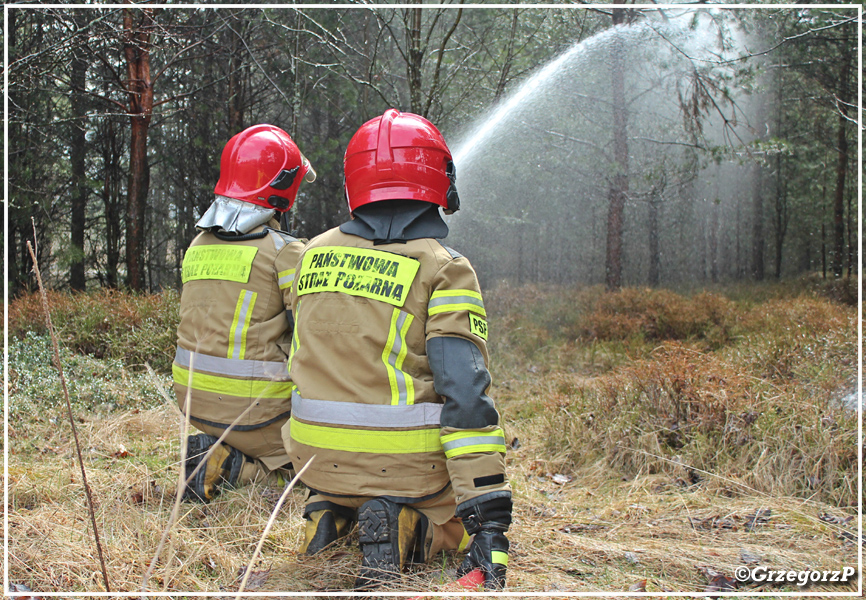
(489, 552)
(487, 521)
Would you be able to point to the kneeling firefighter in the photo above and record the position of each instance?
(389, 358)
(236, 323)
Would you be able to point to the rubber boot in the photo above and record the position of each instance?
(325, 524)
(390, 535)
(223, 467)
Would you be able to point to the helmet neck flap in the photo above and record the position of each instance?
(234, 216)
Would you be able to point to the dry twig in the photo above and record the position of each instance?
(59, 366)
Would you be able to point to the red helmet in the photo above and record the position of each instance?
(399, 156)
(262, 165)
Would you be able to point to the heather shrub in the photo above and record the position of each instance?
(656, 315)
(134, 328)
(802, 339)
(701, 419)
(741, 395)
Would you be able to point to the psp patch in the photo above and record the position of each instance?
(478, 326)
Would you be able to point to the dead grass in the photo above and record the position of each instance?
(636, 461)
(596, 533)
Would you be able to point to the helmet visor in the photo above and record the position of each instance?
(310, 175)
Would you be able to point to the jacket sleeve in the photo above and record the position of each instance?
(473, 441)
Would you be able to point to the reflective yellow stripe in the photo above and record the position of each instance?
(285, 278)
(471, 441)
(464, 542)
(244, 388)
(371, 274)
(218, 261)
(498, 557)
(407, 379)
(361, 440)
(453, 300)
(393, 355)
(240, 324)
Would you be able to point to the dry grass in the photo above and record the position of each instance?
(597, 533)
(664, 451)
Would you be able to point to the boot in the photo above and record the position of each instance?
(390, 536)
(326, 523)
(223, 467)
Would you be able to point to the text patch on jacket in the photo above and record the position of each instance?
(229, 263)
(371, 274)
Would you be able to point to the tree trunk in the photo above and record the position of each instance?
(111, 200)
(823, 251)
(841, 169)
(77, 151)
(738, 269)
(654, 250)
(509, 59)
(136, 49)
(619, 181)
(757, 224)
(851, 242)
(415, 57)
(781, 195)
(781, 215)
(236, 100)
(714, 241)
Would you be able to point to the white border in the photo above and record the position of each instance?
(5, 301)
(624, 594)
(860, 294)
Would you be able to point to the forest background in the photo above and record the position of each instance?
(661, 205)
(686, 145)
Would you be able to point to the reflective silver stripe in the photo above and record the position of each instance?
(352, 414)
(232, 367)
(496, 440)
(399, 375)
(278, 240)
(286, 279)
(242, 324)
(444, 300)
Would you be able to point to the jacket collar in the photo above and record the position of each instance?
(396, 221)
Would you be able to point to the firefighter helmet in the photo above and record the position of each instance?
(263, 166)
(399, 156)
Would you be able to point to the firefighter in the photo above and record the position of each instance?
(389, 358)
(236, 323)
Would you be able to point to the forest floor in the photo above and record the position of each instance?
(657, 462)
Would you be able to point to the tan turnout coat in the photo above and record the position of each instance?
(365, 402)
(234, 336)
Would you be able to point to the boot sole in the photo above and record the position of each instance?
(374, 535)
